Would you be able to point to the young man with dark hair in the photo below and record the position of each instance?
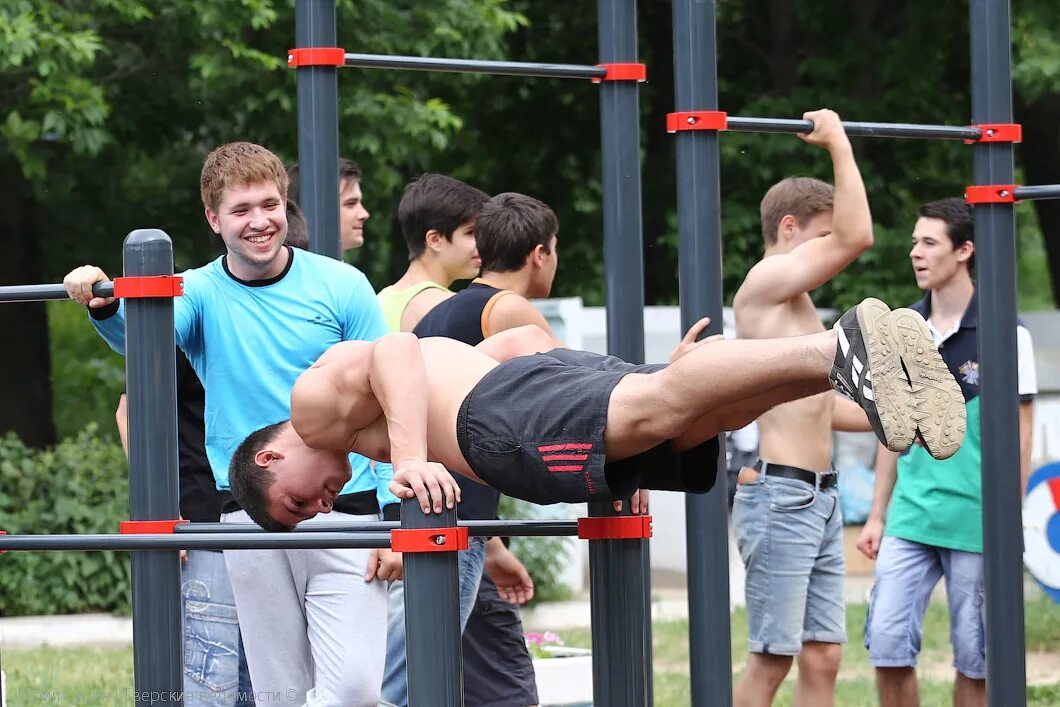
(250, 322)
(352, 213)
(516, 237)
(565, 426)
(933, 509)
(437, 215)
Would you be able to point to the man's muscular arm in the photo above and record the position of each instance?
(332, 401)
(815, 262)
(398, 378)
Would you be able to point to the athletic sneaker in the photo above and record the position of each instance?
(868, 370)
(939, 414)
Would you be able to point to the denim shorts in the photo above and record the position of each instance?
(790, 538)
(906, 574)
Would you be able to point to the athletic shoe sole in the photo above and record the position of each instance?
(938, 409)
(891, 392)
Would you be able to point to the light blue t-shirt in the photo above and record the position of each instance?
(249, 341)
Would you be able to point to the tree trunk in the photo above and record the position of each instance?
(1041, 163)
(26, 395)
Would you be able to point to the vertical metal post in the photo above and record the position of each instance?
(318, 128)
(619, 582)
(152, 391)
(699, 228)
(995, 228)
(432, 616)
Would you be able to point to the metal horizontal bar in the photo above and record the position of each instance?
(511, 528)
(1044, 191)
(39, 293)
(205, 541)
(474, 66)
(899, 130)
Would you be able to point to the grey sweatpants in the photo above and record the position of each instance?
(313, 630)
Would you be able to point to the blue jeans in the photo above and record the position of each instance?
(906, 573)
(215, 669)
(471, 563)
(790, 537)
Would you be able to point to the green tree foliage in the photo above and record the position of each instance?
(79, 486)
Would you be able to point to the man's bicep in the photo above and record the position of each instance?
(513, 311)
(780, 277)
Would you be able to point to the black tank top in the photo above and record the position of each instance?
(464, 317)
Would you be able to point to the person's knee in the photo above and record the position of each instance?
(820, 660)
(768, 668)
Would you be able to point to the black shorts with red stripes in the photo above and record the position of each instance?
(533, 428)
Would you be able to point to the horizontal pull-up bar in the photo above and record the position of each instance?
(40, 293)
(1044, 191)
(479, 528)
(898, 130)
(475, 66)
(205, 541)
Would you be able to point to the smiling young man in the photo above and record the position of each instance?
(250, 322)
(933, 509)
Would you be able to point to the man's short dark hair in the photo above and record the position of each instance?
(510, 227)
(439, 203)
(957, 215)
(297, 228)
(348, 171)
(250, 483)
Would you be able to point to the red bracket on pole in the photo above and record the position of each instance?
(614, 527)
(316, 56)
(998, 132)
(149, 286)
(3, 532)
(991, 194)
(149, 527)
(428, 539)
(696, 120)
(623, 72)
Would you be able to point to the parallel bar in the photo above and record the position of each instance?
(318, 128)
(39, 293)
(151, 375)
(995, 227)
(477, 528)
(195, 541)
(699, 229)
(619, 583)
(432, 616)
(475, 66)
(1044, 191)
(898, 130)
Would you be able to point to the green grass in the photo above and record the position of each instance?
(102, 677)
(856, 686)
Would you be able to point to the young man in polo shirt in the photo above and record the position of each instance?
(933, 509)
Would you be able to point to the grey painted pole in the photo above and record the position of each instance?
(995, 227)
(432, 616)
(856, 129)
(318, 128)
(473, 66)
(39, 293)
(219, 540)
(152, 392)
(476, 528)
(1041, 191)
(699, 228)
(619, 580)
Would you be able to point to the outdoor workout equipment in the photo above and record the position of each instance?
(618, 551)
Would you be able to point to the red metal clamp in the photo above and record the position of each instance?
(614, 527)
(991, 194)
(623, 72)
(149, 527)
(998, 132)
(316, 56)
(696, 120)
(3, 532)
(428, 539)
(149, 286)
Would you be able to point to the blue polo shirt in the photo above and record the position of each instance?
(940, 502)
